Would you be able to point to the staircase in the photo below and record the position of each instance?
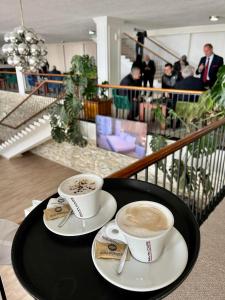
(157, 52)
(32, 135)
(25, 123)
(128, 57)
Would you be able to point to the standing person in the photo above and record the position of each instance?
(45, 68)
(140, 39)
(209, 66)
(132, 79)
(181, 64)
(54, 86)
(138, 63)
(148, 69)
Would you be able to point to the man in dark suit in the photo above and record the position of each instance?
(132, 79)
(189, 82)
(141, 35)
(148, 71)
(209, 66)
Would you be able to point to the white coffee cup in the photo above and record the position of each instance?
(147, 248)
(84, 205)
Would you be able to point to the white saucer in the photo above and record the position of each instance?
(144, 277)
(75, 226)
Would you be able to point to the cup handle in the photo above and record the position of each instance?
(113, 232)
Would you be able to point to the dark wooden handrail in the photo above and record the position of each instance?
(153, 158)
(7, 72)
(27, 98)
(138, 88)
(35, 74)
(162, 47)
(144, 47)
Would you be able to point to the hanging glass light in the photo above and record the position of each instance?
(25, 49)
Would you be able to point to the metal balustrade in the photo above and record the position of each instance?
(162, 109)
(193, 168)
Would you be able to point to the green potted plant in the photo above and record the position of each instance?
(98, 104)
(80, 82)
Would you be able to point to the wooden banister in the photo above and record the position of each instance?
(151, 159)
(35, 74)
(138, 88)
(7, 72)
(144, 47)
(162, 47)
(27, 98)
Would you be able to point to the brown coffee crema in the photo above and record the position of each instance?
(80, 186)
(143, 220)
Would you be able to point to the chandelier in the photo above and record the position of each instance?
(25, 49)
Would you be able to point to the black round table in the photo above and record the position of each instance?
(52, 267)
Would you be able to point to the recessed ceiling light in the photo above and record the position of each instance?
(214, 18)
(91, 32)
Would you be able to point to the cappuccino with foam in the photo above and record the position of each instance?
(142, 220)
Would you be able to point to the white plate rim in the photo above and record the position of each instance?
(94, 228)
(150, 289)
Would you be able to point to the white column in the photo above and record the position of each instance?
(108, 49)
(21, 82)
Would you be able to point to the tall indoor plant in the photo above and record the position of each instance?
(80, 83)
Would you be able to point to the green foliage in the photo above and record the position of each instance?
(64, 122)
(210, 106)
(80, 82)
(58, 134)
(103, 91)
(157, 142)
(189, 177)
(203, 146)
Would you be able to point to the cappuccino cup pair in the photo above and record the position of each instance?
(83, 194)
(143, 225)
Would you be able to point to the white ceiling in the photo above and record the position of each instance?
(70, 20)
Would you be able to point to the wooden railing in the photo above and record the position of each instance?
(163, 47)
(35, 74)
(26, 99)
(149, 89)
(193, 168)
(164, 152)
(144, 47)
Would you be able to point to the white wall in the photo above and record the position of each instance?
(190, 40)
(56, 54)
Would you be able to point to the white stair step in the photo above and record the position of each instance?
(32, 126)
(28, 129)
(36, 123)
(41, 121)
(24, 132)
(46, 117)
